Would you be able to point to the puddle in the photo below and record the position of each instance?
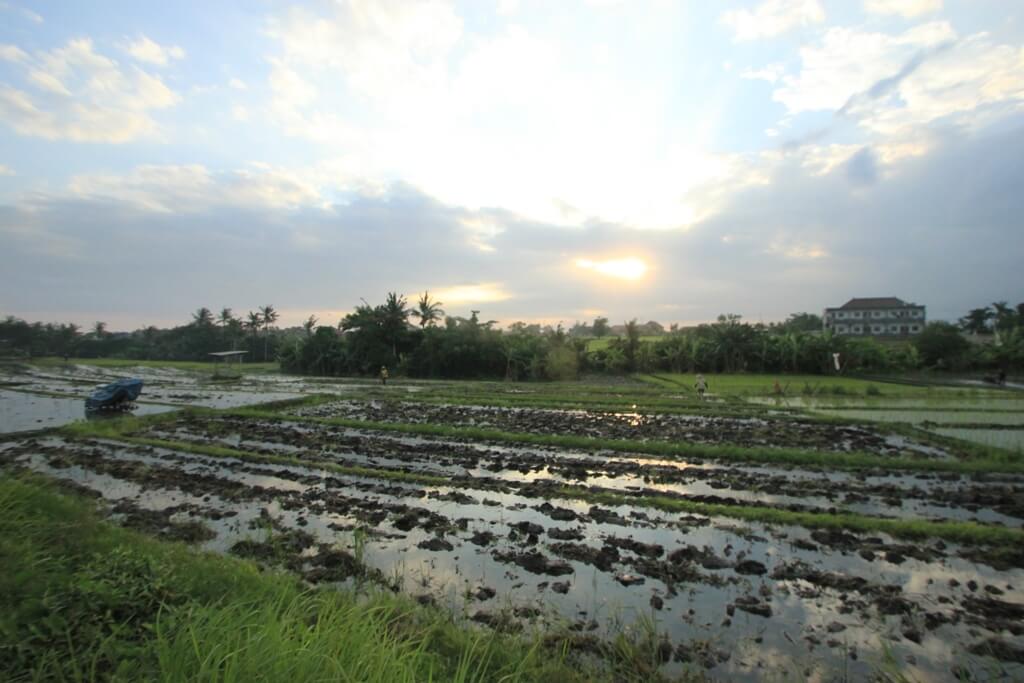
(21, 411)
(769, 601)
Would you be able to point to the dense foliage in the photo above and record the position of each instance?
(421, 341)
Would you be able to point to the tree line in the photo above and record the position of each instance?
(421, 341)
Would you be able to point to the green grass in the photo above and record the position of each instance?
(794, 385)
(81, 599)
(53, 361)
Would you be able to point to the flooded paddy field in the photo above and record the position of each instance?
(739, 571)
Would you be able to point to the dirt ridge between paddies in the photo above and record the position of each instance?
(959, 532)
(996, 460)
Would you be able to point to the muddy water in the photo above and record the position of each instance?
(736, 431)
(22, 411)
(929, 497)
(744, 601)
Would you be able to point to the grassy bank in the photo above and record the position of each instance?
(83, 600)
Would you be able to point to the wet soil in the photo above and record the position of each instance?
(734, 431)
(737, 600)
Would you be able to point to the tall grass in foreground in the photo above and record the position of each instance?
(83, 600)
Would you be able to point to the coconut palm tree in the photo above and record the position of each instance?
(309, 324)
(203, 317)
(253, 324)
(99, 329)
(269, 318)
(428, 311)
(226, 317)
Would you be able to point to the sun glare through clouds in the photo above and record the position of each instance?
(622, 269)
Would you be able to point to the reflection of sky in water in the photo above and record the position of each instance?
(909, 506)
(449, 574)
(1013, 439)
(21, 411)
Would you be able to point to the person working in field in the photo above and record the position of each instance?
(701, 385)
(383, 374)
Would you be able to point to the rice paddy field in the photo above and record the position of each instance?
(842, 529)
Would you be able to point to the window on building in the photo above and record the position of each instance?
(915, 328)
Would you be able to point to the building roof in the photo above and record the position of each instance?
(874, 302)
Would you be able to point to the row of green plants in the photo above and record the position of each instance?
(422, 342)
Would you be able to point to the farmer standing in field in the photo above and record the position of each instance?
(383, 374)
(701, 386)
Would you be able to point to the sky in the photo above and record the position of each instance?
(533, 160)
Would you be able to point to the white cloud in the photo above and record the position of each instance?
(6, 170)
(84, 96)
(237, 84)
(12, 53)
(194, 188)
(146, 50)
(891, 83)
(239, 113)
(770, 73)
(772, 18)
(436, 108)
(905, 8)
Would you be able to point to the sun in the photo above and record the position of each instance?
(622, 269)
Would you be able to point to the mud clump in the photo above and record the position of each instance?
(565, 534)
(435, 544)
(604, 558)
(535, 563)
(651, 550)
(999, 649)
(750, 567)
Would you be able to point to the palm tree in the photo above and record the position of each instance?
(269, 318)
(226, 317)
(428, 311)
(310, 323)
(253, 324)
(99, 329)
(976, 320)
(203, 317)
(393, 316)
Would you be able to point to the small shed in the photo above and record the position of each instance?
(227, 360)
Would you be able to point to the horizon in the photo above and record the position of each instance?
(540, 163)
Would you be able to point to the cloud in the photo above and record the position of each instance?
(6, 170)
(239, 113)
(237, 84)
(147, 50)
(893, 84)
(13, 53)
(773, 18)
(862, 167)
(437, 107)
(84, 96)
(770, 73)
(194, 188)
(804, 239)
(905, 8)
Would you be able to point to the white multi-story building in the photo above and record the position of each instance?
(876, 317)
